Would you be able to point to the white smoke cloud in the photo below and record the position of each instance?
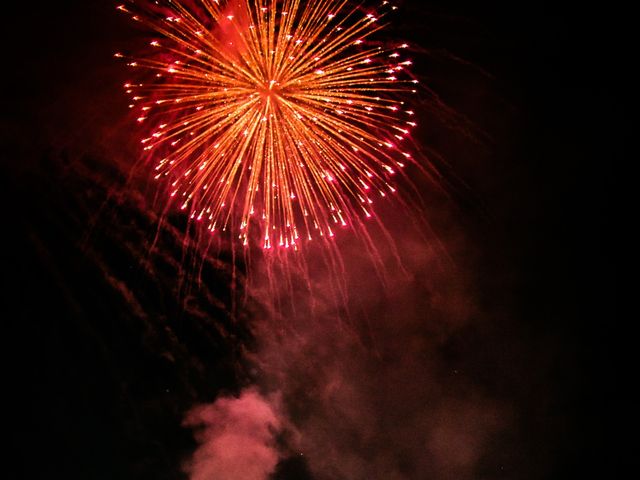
(236, 438)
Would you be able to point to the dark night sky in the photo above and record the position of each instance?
(98, 383)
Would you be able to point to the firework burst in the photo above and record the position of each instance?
(275, 120)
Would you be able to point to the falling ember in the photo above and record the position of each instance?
(276, 115)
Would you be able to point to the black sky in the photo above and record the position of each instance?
(98, 387)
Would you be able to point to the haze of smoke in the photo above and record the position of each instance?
(372, 398)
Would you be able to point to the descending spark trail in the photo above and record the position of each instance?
(280, 117)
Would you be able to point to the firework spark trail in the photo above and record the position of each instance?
(282, 117)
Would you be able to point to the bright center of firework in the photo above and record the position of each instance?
(280, 117)
(269, 90)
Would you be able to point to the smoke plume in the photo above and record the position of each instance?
(236, 438)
